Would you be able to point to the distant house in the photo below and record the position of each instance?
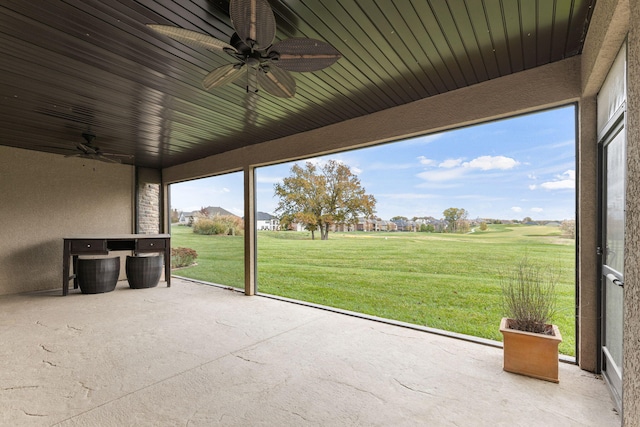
(365, 224)
(405, 225)
(265, 221)
(188, 218)
(296, 226)
(383, 225)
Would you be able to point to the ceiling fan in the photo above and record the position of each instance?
(252, 47)
(88, 151)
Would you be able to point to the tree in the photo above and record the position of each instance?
(175, 216)
(320, 196)
(456, 219)
(483, 226)
(568, 228)
(400, 218)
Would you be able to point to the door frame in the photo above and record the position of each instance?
(616, 125)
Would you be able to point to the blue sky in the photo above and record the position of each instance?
(507, 169)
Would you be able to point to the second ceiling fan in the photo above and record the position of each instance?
(264, 62)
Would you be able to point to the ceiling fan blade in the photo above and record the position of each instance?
(103, 158)
(301, 54)
(193, 38)
(254, 22)
(252, 81)
(86, 148)
(124, 156)
(277, 82)
(222, 75)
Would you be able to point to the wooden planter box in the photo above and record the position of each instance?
(534, 355)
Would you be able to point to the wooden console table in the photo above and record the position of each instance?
(103, 245)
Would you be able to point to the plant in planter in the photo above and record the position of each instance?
(530, 340)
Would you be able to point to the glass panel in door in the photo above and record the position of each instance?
(613, 258)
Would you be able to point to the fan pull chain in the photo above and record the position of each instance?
(249, 82)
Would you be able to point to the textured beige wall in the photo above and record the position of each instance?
(631, 328)
(45, 197)
(607, 31)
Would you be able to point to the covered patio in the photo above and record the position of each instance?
(201, 355)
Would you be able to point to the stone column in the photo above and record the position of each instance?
(148, 201)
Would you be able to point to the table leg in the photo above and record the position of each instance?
(167, 262)
(74, 268)
(65, 268)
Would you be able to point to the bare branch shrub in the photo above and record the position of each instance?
(529, 296)
(219, 225)
(182, 257)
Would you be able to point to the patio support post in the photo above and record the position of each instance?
(249, 231)
(587, 237)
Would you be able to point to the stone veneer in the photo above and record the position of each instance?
(148, 202)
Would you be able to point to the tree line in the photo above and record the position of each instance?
(319, 196)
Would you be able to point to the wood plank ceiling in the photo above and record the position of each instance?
(67, 65)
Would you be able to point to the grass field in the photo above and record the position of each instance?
(444, 281)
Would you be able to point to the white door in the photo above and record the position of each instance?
(613, 200)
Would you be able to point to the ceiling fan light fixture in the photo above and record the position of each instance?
(268, 64)
(88, 136)
(89, 151)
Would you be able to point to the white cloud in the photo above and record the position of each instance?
(407, 196)
(516, 209)
(437, 185)
(313, 160)
(486, 163)
(537, 210)
(533, 187)
(423, 140)
(390, 166)
(261, 179)
(450, 163)
(427, 139)
(562, 182)
(424, 161)
(455, 168)
(558, 185)
(356, 170)
(441, 175)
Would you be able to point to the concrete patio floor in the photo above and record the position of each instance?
(199, 355)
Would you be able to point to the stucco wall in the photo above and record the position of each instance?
(45, 197)
(631, 329)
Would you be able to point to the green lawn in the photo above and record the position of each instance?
(443, 281)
